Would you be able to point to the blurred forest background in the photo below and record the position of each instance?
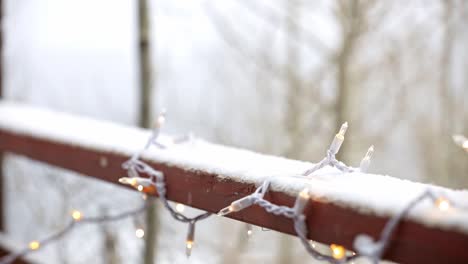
(277, 77)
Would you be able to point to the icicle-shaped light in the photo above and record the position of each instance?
(190, 239)
(339, 138)
(365, 162)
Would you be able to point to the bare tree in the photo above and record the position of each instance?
(145, 119)
(352, 21)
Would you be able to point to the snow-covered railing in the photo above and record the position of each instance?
(209, 177)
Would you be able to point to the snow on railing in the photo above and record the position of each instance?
(209, 177)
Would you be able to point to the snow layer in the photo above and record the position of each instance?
(369, 193)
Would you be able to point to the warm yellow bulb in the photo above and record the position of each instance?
(76, 215)
(189, 244)
(442, 203)
(133, 182)
(160, 120)
(34, 245)
(338, 252)
(304, 194)
(140, 233)
(180, 207)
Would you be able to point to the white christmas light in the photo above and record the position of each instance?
(139, 232)
(237, 206)
(339, 138)
(136, 181)
(76, 215)
(34, 245)
(338, 252)
(461, 141)
(249, 228)
(190, 239)
(160, 120)
(301, 201)
(442, 203)
(180, 207)
(365, 162)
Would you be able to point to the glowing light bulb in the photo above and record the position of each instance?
(140, 188)
(343, 129)
(188, 248)
(180, 207)
(139, 232)
(338, 252)
(365, 162)
(249, 228)
(34, 245)
(237, 205)
(128, 181)
(225, 211)
(304, 194)
(76, 215)
(442, 203)
(301, 201)
(339, 138)
(161, 119)
(190, 239)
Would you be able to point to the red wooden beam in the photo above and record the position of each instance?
(327, 223)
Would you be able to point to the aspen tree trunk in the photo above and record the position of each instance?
(454, 164)
(145, 120)
(293, 108)
(349, 19)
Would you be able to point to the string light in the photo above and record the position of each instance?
(136, 181)
(76, 215)
(190, 239)
(338, 252)
(237, 206)
(180, 208)
(365, 162)
(301, 201)
(338, 140)
(442, 203)
(461, 141)
(160, 120)
(249, 228)
(331, 160)
(139, 232)
(134, 166)
(34, 245)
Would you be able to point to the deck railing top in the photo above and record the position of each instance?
(209, 177)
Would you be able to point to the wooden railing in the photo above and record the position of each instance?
(327, 222)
